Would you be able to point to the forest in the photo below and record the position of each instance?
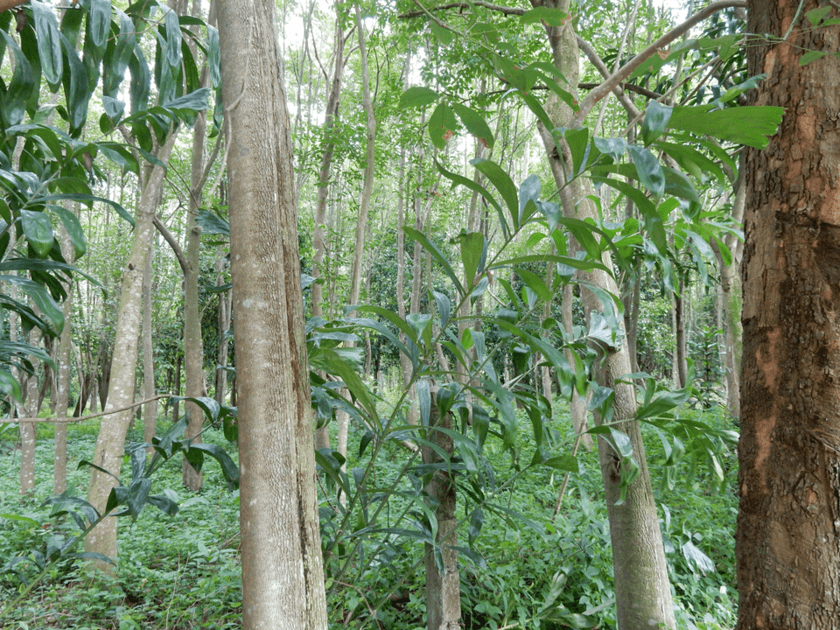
(419, 315)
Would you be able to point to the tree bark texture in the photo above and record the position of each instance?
(150, 408)
(282, 572)
(443, 587)
(788, 537)
(112, 432)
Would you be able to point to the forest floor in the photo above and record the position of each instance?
(182, 571)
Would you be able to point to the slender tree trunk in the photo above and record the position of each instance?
(642, 590)
(788, 536)
(443, 587)
(680, 362)
(111, 440)
(282, 573)
(150, 408)
(224, 327)
(319, 243)
(62, 378)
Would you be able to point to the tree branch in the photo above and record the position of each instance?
(466, 5)
(64, 420)
(5, 5)
(627, 69)
(167, 236)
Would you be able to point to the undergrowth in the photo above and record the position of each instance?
(182, 572)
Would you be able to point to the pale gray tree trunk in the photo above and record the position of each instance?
(111, 440)
(62, 378)
(150, 408)
(642, 589)
(282, 572)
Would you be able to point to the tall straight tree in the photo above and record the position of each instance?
(282, 572)
(788, 538)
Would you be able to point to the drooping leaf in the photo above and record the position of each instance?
(649, 170)
(21, 86)
(442, 125)
(49, 43)
(475, 124)
(656, 121)
(37, 228)
(503, 183)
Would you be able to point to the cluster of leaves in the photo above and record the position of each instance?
(44, 168)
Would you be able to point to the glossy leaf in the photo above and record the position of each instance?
(442, 125)
(41, 298)
(74, 230)
(49, 42)
(749, 125)
(37, 228)
(503, 183)
(75, 88)
(213, 56)
(649, 170)
(655, 122)
(20, 87)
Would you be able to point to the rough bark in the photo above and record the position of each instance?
(111, 440)
(788, 537)
(282, 573)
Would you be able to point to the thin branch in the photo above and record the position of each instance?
(64, 420)
(167, 236)
(466, 5)
(5, 5)
(627, 69)
(599, 64)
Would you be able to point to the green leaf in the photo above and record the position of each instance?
(75, 88)
(99, 22)
(749, 125)
(21, 86)
(74, 230)
(430, 247)
(475, 124)
(815, 16)
(472, 250)
(503, 183)
(471, 185)
(41, 298)
(213, 56)
(334, 364)
(49, 43)
(229, 468)
(613, 147)
(117, 56)
(9, 386)
(173, 39)
(656, 120)
(141, 80)
(444, 307)
(547, 15)
(443, 35)
(649, 170)
(442, 125)
(563, 462)
(418, 97)
(37, 228)
(811, 55)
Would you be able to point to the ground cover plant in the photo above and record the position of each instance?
(527, 570)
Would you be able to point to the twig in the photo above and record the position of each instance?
(62, 420)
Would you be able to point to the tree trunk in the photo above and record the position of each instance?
(193, 344)
(319, 243)
(642, 590)
(62, 378)
(788, 536)
(282, 573)
(224, 327)
(150, 408)
(111, 440)
(680, 361)
(443, 588)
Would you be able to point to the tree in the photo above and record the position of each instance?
(282, 573)
(788, 550)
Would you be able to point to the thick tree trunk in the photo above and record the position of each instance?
(788, 537)
(282, 573)
(111, 440)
